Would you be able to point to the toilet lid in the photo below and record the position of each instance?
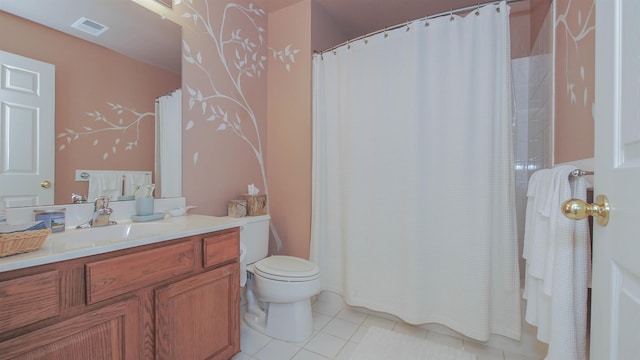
(289, 268)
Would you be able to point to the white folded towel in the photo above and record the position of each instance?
(104, 183)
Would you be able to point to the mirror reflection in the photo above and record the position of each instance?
(105, 88)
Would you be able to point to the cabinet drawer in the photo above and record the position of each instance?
(220, 248)
(29, 299)
(119, 275)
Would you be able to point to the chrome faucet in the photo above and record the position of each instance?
(101, 213)
(78, 199)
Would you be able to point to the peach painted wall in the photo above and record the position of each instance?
(289, 130)
(574, 80)
(224, 84)
(325, 32)
(538, 11)
(87, 78)
(289, 121)
(520, 22)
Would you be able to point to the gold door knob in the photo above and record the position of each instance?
(45, 184)
(577, 209)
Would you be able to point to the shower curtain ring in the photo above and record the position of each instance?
(477, 9)
(451, 18)
(408, 28)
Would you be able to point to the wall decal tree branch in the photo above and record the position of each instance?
(123, 138)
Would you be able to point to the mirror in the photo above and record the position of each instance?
(105, 86)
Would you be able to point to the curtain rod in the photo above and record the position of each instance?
(451, 12)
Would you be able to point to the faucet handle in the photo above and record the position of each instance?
(101, 202)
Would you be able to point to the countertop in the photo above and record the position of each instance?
(76, 243)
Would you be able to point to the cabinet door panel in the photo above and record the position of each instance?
(112, 332)
(205, 307)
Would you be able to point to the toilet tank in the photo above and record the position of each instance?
(254, 235)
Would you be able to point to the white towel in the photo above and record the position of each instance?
(558, 268)
(536, 236)
(104, 183)
(133, 179)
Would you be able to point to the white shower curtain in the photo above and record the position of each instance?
(169, 144)
(413, 188)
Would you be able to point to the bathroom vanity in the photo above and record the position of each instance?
(171, 292)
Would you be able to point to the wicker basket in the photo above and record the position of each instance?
(21, 242)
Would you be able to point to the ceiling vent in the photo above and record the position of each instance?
(89, 26)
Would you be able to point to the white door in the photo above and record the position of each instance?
(615, 310)
(27, 125)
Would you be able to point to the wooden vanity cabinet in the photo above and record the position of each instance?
(178, 299)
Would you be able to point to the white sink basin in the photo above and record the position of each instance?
(104, 235)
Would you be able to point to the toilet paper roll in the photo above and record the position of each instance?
(243, 265)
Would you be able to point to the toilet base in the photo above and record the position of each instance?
(289, 321)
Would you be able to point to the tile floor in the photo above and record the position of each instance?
(338, 330)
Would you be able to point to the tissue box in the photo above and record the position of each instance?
(237, 208)
(256, 204)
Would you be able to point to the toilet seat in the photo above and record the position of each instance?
(287, 268)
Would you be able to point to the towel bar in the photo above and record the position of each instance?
(580, 172)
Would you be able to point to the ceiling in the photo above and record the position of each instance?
(134, 30)
(360, 17)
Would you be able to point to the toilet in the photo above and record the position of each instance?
(278, 288)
